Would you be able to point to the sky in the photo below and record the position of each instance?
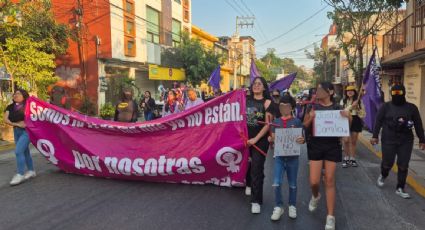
(275, 25)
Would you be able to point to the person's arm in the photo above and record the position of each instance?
(378, 124)
(417, 121)
(309, 117)
(265, 128)
(116, 113)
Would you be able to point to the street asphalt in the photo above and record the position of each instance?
(57, 200)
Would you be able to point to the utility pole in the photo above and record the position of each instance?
(241, 22)
(79, 27)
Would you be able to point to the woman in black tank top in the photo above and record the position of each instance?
(258, 111)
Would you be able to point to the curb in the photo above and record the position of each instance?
(412, 182)
(7, 147)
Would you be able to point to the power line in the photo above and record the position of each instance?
(249, 10)
(242, 9)
(256, 18)
(301, 49)
(293, 28)
(234, 8)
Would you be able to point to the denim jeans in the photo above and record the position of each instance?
(148, 116)
(22, 151)
(290, 166)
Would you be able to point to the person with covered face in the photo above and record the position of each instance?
(126, 109)
(193, 99)
(397, 119)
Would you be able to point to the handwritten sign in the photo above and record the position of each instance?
(285, 142)
(330, 123)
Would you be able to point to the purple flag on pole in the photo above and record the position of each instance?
(372, 98)
(253, 71)
(214, 80)
(283, 83)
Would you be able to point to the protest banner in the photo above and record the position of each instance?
(204, 145)
(330, 123)
(285, 142)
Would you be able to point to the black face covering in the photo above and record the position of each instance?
(398, 99)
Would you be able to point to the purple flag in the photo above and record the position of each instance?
(372, 98)
(253, 71)
(214, 80)
(283, 83)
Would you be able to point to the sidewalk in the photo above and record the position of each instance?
(416, 177)
(6, 145)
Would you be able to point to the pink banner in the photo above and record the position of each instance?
(203, 145)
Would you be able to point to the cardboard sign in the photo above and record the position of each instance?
(286, 142)
(330, 123)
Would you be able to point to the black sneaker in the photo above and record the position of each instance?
(344, 163)
(354, 163)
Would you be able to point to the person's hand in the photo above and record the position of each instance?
(312, 113)
(422, 146)
(374, 141)
(251, 142)
(355, 104)
(300, 140)
(270, 139)
(345, 113)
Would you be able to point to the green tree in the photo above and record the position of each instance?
(356, 21)
(323, 63)
(264, 71)
(197, 61)
(30, 39)
(29, 67)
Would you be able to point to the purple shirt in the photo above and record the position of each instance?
(190, 104)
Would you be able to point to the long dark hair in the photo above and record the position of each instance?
(150, 95)
(266, 92)
(167, 106)
(24, 94)
(355, 97)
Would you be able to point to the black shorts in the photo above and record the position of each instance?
(356, 124)
(323, 151)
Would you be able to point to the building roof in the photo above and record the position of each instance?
(203, 34)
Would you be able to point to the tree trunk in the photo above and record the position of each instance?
(359, 77)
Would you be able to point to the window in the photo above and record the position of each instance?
(129, 7)
(186, 12)
(152, 17)
(129, 28)
(176, 32)
(130, 46)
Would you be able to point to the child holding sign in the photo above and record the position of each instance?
(286, 155)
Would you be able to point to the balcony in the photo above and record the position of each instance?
(405, 40)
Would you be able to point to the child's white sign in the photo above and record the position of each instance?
(286, 142)
(330, 123)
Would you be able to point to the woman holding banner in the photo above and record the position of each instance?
(351, 103)
(14, 115)
(323, 152)
(172, 105)
(258, 117)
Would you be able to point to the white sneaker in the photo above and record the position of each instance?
(330, 223)
(248, 191)
(313, 203)
(402, 193)
(277, 213)
(292, 212)
(17, 179)
(380, 182)
(29, 175)
(255, 208)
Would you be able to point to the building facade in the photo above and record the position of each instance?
(120, 41)
(403, 58)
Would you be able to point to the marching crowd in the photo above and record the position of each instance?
(265, 113)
